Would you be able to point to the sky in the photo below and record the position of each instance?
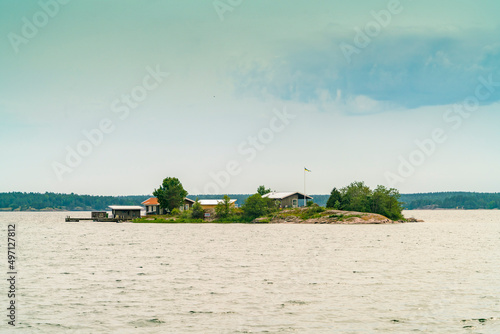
(111, 97)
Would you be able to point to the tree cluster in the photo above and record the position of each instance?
(359, 197)
(257, 206)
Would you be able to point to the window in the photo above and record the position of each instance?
(294, 203)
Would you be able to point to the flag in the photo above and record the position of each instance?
(307, 169)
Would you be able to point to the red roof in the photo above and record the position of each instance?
(154, 201)
(151, 201)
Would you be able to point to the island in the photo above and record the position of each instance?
(303, 215)
(354, 204)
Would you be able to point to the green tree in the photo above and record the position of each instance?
(261, 190)
(386, 202)
(356, 197)
(334, 200)
(170, 194)
(223, 209)
(197, 211)
(255, 206)
(359, 197)
(391, 206)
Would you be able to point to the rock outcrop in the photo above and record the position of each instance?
(309, 216)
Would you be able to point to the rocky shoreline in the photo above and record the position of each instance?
(300, 216)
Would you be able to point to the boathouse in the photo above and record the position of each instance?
(126, 212)
(288, 199)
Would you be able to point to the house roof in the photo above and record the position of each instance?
(151, 201)
(213, 201)
(154, 201)
(283, 195)
(126, 207)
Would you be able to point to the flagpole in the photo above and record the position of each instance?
(304, 186)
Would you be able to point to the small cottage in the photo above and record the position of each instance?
(288, 199)
(153, 206)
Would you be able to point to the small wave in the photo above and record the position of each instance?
(297, 302)
(480, 320)
(201, 312)
(147, 322)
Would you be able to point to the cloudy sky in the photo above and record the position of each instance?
(110, 97)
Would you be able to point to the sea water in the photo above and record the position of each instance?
(440, 276)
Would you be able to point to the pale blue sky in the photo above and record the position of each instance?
(228, 73)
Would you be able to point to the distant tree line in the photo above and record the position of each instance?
(439, 200)
(451, 200)
(72, 202)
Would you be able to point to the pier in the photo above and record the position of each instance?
(119, 214)
(96, 216)
(113, 220)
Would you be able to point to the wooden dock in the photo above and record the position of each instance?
(100, 220)
(120, 213)
(96, 216)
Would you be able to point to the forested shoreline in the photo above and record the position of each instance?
(452, 200)
(19, 201)
(22, 201)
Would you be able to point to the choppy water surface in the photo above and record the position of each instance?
(441, 276)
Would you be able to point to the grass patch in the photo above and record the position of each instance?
(167, 221)
(312, 212)
(180, 220)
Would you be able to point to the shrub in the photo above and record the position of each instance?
(316, 209)
(359, 197)
(255, 206)
(197, 212)
(312, 212)
(223, 209)
(186, 214)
